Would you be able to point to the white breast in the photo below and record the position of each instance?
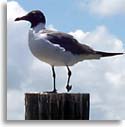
(48, 52)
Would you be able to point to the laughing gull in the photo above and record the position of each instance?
(57, 48)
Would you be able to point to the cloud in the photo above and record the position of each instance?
(103, 79)
(108, 7)
(100, 39)
(15, 105)
(2, 1)
(13, 6)
(104, 7)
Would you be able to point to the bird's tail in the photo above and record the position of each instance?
(107, 54)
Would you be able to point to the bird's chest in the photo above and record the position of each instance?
(48, 52)
(41, 48)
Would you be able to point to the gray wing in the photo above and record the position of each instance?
(68, 43)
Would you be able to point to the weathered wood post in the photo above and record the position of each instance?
(61, 106)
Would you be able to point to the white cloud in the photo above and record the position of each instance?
(13, 6)
(104, 7)
(2, 1)
(103, 79)
(108, 7)
(99, 39)
(15, 105)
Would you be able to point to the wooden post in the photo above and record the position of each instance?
(60, 106)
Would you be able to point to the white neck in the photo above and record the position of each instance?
(39, 27)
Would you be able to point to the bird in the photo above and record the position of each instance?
(57, 48)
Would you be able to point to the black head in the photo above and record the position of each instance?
(34, 17)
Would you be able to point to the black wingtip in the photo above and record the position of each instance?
(107, 54)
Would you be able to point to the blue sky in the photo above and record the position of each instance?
(68, 15)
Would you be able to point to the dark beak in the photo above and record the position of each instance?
(21, 18)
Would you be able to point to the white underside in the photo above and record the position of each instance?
(53, 54)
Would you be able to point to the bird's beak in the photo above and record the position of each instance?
(21, 18)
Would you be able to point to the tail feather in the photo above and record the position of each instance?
(107, 54)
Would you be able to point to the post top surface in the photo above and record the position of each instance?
(40, 93)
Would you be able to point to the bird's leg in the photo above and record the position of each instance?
(54, 82)
(68, 87)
